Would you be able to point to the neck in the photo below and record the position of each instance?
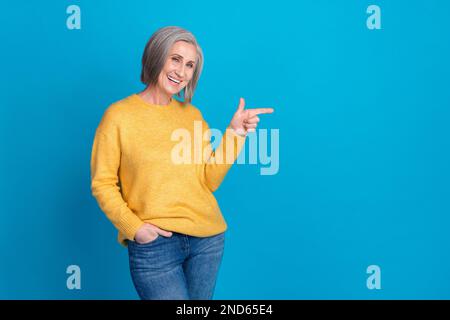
(155, 95)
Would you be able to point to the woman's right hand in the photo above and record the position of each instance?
(149, 232)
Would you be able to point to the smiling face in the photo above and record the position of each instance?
(178, 68)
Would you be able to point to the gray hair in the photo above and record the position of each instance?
(157, 50)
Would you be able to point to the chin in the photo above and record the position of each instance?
(171, 91)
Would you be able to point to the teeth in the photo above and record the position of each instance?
(174, 80)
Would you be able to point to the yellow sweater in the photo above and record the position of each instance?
(137, 177)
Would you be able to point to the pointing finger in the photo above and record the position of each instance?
(254, 112)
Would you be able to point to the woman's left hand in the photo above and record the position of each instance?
(245, 121)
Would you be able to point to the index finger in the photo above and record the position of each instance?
(254, 112)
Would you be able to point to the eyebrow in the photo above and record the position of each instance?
(176, 54)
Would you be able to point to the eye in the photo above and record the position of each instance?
(175, 59)
(190, 65)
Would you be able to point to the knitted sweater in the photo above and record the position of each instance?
(155, 163)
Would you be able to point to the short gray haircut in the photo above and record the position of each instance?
(156, 52)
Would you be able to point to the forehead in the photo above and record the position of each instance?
(184, 49)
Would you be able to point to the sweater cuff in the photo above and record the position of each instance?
(236, 140)
(130, 226)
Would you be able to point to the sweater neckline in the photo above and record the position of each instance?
(141, 101)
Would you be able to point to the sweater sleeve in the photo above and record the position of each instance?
(219, 161)
(105, 162)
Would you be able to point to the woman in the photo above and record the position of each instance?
(165, 211)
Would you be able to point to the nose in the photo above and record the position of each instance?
(180, 71)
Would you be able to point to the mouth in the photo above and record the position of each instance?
(174, 81)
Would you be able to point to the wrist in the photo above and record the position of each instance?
(240, 133)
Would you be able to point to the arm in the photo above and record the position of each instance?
(105, 162)
(218, 162)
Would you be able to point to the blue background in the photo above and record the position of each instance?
(364, 144)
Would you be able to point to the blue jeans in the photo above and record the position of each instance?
(180, 267)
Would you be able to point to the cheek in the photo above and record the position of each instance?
(171, 65)
(190, 74)
(161, 78)
(166, 69)
(188, 80)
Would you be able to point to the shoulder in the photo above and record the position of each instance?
(189, 107)
(115, 113)
(119, 108)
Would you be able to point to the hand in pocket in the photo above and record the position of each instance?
(149, 232)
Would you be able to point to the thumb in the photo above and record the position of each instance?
(241, 104)
(163, 232)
